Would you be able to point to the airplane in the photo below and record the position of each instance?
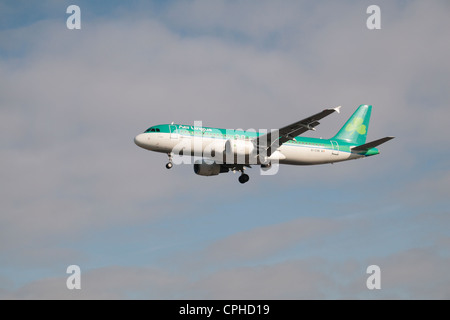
(224, 150)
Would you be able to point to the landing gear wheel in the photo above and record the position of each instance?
(244, 178)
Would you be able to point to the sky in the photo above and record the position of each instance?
(76, 190)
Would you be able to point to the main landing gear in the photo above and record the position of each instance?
(169, 164)
(243, 178)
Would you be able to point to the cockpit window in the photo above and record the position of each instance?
(152, 130)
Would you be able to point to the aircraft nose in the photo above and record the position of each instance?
(140, 140)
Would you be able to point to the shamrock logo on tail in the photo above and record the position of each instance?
(357, 125)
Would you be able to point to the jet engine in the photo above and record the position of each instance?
(204, 168)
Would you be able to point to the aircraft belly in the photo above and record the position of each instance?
(303, 155)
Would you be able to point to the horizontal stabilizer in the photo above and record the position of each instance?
(372, 144)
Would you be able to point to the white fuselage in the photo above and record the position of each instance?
(213, 148)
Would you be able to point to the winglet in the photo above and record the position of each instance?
(337, 109)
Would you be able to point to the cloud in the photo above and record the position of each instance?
(268, 240)
(430, 187)
(410, 274)
(70, 117)
(71, 103)
(419, 273)
(422, 273)
(111, 282)
(287, 280)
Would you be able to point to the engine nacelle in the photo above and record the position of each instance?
(203, 168)
(239, 147)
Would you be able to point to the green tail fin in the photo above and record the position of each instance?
(356, 127)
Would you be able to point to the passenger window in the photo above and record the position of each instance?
(152, 130)
(157, 130)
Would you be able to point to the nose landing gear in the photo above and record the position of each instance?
(169, 164)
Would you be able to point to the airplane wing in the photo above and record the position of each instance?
(282, 135)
